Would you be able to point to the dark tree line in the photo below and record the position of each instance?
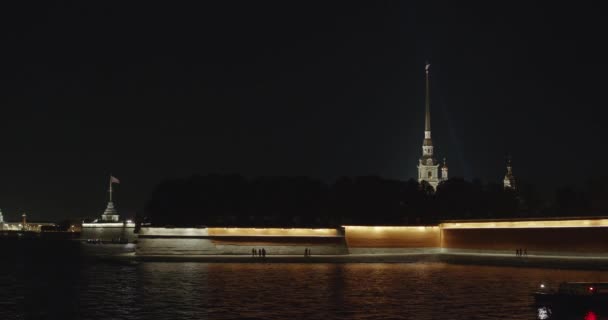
(233, 200)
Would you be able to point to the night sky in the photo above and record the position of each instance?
(152, 90)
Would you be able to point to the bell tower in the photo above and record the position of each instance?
(428, 167)
(509, 180)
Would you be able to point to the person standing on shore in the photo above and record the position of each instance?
(253, 252)
(263, 253)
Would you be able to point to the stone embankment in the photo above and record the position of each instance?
(557, 243)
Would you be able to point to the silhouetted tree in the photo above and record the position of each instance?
(232, 200)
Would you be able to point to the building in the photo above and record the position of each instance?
(428, 167)
(23, 225)
(109, 228)
(509, 181)
(110, 214)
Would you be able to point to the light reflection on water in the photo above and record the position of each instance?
(55, 283)
(548, 312)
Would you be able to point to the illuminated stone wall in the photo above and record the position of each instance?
(368, 239)
(108, 234)
(226, 241)
(554, 237)
(280, 232)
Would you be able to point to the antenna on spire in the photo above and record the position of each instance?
(427, 102)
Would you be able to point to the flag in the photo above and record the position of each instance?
(113, 179)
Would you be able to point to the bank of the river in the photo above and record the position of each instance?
(531, 261)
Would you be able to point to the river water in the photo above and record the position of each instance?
(53, 280)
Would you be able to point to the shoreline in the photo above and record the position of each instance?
(501, 260)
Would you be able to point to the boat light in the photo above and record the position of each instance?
(542, 285)
(591, 289)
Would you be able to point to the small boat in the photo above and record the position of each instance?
(573, 294)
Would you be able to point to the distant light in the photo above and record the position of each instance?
(129, 221)
(591, 288)
(590, 316)
(542, 285)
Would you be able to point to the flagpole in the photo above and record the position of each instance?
(110, 188)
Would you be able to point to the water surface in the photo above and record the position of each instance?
(53, 280)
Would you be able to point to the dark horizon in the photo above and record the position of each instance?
(150, 91)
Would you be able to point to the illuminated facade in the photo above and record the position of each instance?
(586, 237)
(109, 228)
(428, 167)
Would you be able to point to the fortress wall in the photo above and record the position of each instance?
(226, 241)
(280, 232)
(553, 237)
(108, 234)
(403, 239)
(173, 241)
(554, 241)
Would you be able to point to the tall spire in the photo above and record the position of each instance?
(427, 120)
(428, 166)
(427, 145)
(509, 180)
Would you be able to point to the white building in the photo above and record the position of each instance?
(428, 167)
(109, 228)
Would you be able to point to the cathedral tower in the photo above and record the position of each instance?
(428, 167)
(509, 181)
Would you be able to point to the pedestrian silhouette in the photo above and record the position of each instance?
(263, 253)
(253, 252)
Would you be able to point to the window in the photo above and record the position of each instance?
(430, 174)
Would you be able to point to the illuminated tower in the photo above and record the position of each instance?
(110, 214)
(1, 220)
(509, 181)
(428, 167)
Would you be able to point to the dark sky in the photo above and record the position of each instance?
(149, 90)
